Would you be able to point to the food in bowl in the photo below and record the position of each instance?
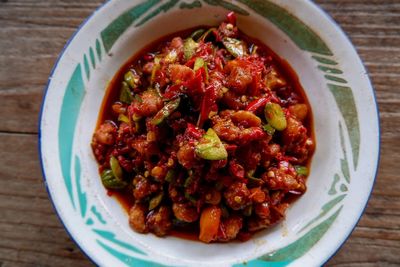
(206, 132)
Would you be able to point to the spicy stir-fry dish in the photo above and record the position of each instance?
(205, 132)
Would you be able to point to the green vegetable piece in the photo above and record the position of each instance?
(275, 116)
(268, 129)
(156, 67)
(110, 181)
(205, 35)
(155, 201)
(189, 48)
(116, 168)
(210, 147)
(302, 170)
(131, 79)
(199, 63)
(197, 34)
(125, 96)
(190, 197)
(123, 118)
(170, 176)
(188, 181)
(166, 111)
(234, 46)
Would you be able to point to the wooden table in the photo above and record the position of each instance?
(33, 32)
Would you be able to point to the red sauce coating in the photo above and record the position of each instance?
(220, 196)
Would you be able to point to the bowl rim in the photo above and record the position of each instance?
(313, 5)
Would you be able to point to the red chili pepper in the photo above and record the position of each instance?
(256, 104)
(195, 85)
(193, 131)
(236, 170)
(172, 91)
(207, 104)
(148, 57)
(231, 18)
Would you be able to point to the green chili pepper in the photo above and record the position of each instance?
(116, 168)
(269, 129)
(188, 181)
(302, 170)
(170, 176)
(234, 46)
(197, 34)
(110, 181)
(166, 111)
(125, 95)
(189, 48)
(190, 197)
(210, 147)
(131, 79)
(275, 116)
(155, 201)
(155, 68)
(123, 118)
(205, 35)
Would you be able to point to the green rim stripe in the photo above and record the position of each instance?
(345, 101)
(304, 243)
(68, 116)
(115, 29)
(324, 60)
(227, 5)
(325, 209)
(335, 79)
(81, 195)
(111, 237)
(300, 33)
(194, 4)
(98, 49)
(92, 58)
(330, 70)
(126, 259)
(86, 66)
(332, 190)
(165, 7)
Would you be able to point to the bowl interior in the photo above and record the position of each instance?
(300, 212)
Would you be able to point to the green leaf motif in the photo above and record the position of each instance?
(299, 32)
(114, 30)
(332, 190)
(81, 195)
(165, 7)
(324, 210)
(97, 214)
(111, 237)
(194, 4)
(126, 259)
(303, 244)
(345, 101)
(70, 106)
(98, 49)
(227, 5)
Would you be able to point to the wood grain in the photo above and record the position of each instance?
(33, 32)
